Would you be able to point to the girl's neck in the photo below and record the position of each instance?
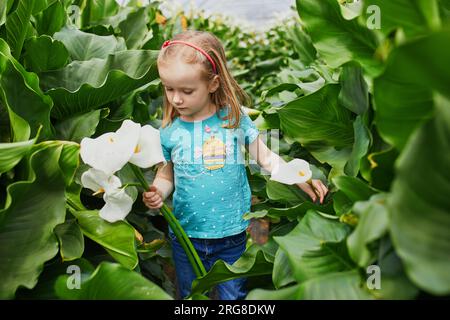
(205, 113)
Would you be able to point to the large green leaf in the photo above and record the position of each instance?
(360, 147)
(419, 205)
(12, 153)
(284, 193)
(33, 209)
(292, 213)
(302, 44)
(335, 286)
(252, 263)
(85, 46)
(341, 203)
(316, 247)
(117, 238)
(79, 126)
(403, 94)
(85, 85)
(69, 159)
(282, 271)
(289, 293)
(337, 40)
(318, 119)
(354, 188)
(117, 18)
(97, 10)
(354, 94)
(414, 17)
(71, 241)
(23, 97)
(337, 158)
(394, 282)
(3, 10)
(51, 19)
(44, 54)
(268, 120)
(134, 29)
(112, 282)
(372, 225)
(45, 288)
(378, 168)
(17, 24)
(40, 5)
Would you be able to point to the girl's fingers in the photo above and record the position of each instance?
(153, 203)
(155, 198)
(309, 190)
(320, 188)
(152, 206)
(149, 195)
(313, 195)
(158, 204)
(149, 203)
(324, 188)
(316, 191)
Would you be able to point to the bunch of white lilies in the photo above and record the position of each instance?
(108, 154)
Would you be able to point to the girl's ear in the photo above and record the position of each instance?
(214, 84)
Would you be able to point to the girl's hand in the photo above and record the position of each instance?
(153, 198)
(315, 189)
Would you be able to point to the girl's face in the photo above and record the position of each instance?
(187, 91)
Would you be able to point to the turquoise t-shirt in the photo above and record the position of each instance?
(212, 192)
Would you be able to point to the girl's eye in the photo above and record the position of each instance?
(187, 92)
(168, 89)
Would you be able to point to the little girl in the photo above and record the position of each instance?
(202, 132)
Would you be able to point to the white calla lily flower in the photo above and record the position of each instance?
(100, 182)
(148, 150)
(111, 151)
(295, 171)
(117, 205)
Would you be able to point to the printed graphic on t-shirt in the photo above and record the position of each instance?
(213, 153)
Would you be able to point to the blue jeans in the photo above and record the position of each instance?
(228, 249)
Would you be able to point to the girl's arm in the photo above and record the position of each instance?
(164, 180)
(270, 161)
(161, 188)
(265, 158)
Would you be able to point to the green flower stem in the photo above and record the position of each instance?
(191, 253)
(126, 185)
(186, 244)
(74, 205)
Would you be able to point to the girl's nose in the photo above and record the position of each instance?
(177, 99)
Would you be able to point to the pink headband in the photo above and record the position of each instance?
(169, 42)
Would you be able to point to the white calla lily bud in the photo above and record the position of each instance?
(295, 171)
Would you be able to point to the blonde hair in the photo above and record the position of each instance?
(228, 93)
